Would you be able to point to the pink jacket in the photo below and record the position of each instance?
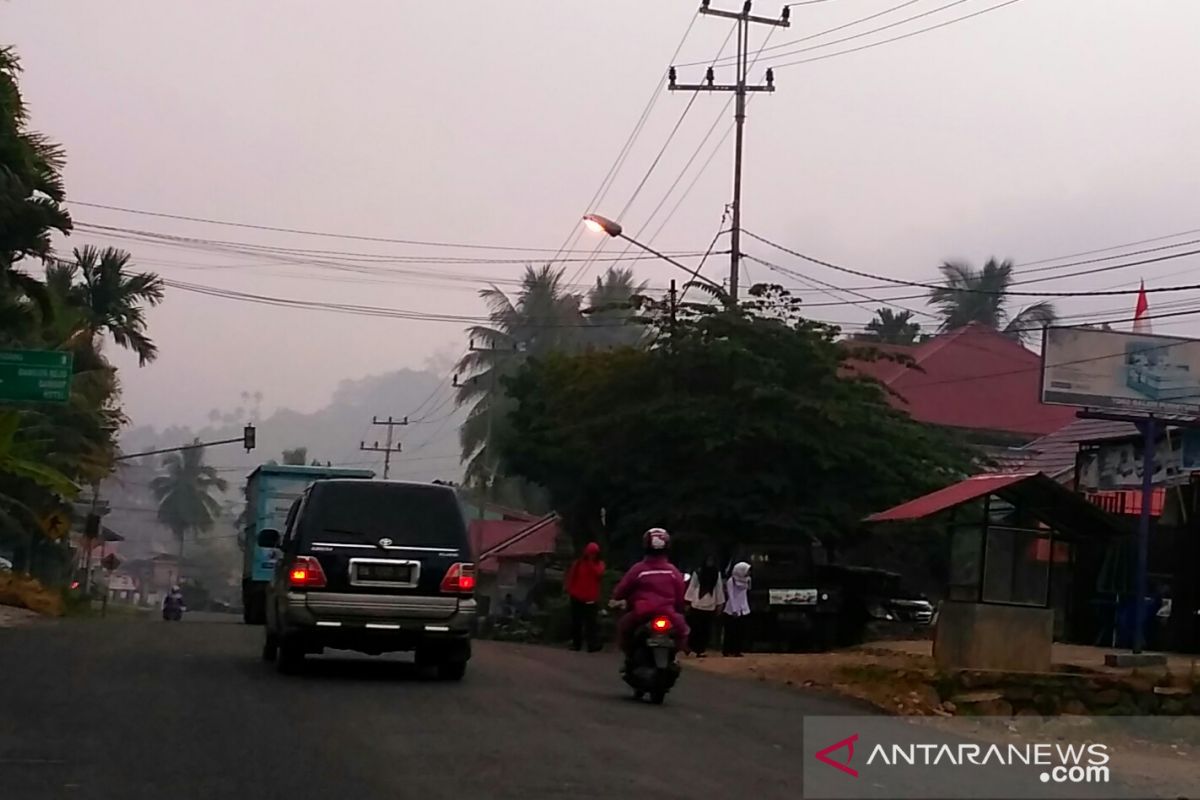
(652, 586)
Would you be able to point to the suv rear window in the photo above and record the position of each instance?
(415, 515)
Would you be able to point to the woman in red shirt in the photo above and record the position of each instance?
(583, 587)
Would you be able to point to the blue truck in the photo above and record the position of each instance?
(270, 491)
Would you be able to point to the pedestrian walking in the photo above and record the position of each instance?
(583, 589)
(737, 610)
(705, 597)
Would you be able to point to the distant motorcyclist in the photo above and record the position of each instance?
(652, 586)
(173, 604)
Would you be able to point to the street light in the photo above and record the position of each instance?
(599, 224)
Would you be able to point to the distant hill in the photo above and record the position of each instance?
(429, 447)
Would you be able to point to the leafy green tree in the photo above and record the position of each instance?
(890, 327)
(738, 422)
(186, 494)
(297, 456)
(981, 296)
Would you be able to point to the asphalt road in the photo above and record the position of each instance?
(146, 709)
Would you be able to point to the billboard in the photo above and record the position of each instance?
(1121, 371)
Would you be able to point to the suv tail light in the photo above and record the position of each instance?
(460, 579)
(306, 573)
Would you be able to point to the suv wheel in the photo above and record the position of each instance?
(270, 648)
(451, 670)
(290, 657)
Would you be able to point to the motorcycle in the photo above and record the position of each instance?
(172, 610)
(651, 667)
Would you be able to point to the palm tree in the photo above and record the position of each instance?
(981, 296)
(31, 194)
(543, 318)
(185, 493)
(610, 310)
(890, 327)
(113, 299)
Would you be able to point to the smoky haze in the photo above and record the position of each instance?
(1040, 129)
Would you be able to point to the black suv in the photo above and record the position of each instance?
(372, 566)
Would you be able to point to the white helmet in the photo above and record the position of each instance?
(656, 540)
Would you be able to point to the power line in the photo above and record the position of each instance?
(1107, 249)
(251, 248)
(819, 34)
(606, 184)
(896, 38)
(306, 232)
(932, 286)
(831, 288)
(653, 165)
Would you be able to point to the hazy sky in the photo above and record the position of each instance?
(1044, 128)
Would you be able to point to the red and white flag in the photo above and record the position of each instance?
(1141, 313)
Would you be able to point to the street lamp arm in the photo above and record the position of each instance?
(695, 273)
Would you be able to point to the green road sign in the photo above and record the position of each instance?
(35, 376)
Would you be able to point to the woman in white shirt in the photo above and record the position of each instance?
(705, 597)
(737, 609)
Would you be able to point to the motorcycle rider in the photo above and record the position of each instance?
(173, 601)
(652, 586)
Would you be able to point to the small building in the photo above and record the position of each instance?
(513, 558)
(1023, 551)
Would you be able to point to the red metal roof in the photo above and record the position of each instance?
(971, 377)
(1040, 496)
(494, 539)
(955, 494)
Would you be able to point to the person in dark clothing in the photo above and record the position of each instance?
(583, 589)
(705, 597)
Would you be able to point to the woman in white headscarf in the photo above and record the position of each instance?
(737, 609)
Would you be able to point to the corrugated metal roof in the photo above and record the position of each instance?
(955, 494)
(1045, 499)
(1054, 454)
(971, 377)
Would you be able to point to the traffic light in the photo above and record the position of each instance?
(248, 438)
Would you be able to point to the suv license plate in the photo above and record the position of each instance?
(792, 597)
(384, 573)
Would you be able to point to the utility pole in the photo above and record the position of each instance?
(740, 87)
(387, 448)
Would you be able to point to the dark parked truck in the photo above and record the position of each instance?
(792, 610)
(270, 491)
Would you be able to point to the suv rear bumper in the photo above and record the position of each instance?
(380, 623)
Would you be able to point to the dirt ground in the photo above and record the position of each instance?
(891, 680)
(894, 680)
